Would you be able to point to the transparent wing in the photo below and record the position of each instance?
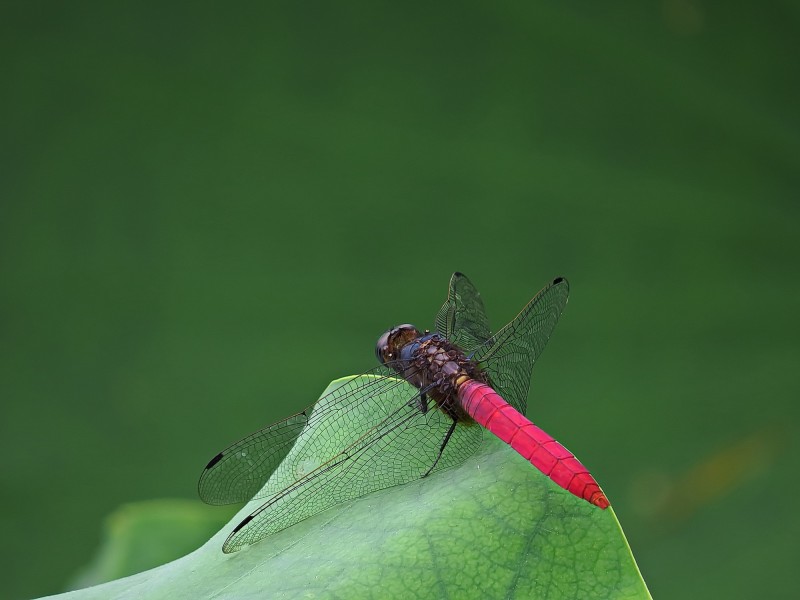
(510, 354)
(386, 441)
(237, 473)
(462, 318)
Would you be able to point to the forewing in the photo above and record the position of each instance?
(510, 354)
(237, 473)
(462, 318)
(386, 442)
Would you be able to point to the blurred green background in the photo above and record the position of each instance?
(209, 212)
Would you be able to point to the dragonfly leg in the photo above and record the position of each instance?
(422, 402)
(441, 448)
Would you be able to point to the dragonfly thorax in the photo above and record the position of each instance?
(430, 362)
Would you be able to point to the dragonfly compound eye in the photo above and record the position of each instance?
(382, 347)
(391, 342)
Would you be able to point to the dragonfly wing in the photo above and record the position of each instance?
(462, 318)
(237, 473)
(385, 442)
(510, 354)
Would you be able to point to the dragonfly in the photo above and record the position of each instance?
(422, 409)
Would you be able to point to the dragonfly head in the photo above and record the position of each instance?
(390, 343)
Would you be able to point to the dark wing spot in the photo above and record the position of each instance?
(242, 524)
(557, 280)
(214, 461)
(458, 274)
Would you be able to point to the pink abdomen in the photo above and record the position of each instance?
(495, 414)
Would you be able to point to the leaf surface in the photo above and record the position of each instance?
(493, 527)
